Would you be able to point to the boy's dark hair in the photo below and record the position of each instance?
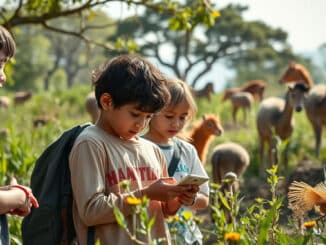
(7, 43)
(132, 79)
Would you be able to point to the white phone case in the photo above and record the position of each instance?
(192, 179)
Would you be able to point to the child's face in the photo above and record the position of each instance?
(3, 61)
(127, 121)
(170, 121)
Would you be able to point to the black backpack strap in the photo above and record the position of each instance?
(91, 235)
(175, 158)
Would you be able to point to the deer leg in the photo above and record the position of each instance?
(285, 156)
(272, 153)
(245, 114)
(261, 153)
(317, 131)
(234, 111)
(209, 96)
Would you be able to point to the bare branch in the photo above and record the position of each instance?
(80, 36)
(16, 19)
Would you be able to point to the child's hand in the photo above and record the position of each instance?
(188, 198)
(24, 209)
(164, 189)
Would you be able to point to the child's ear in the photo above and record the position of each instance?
(106, 101)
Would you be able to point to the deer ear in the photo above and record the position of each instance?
(204, 117)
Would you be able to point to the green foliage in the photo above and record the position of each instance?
(189, 17)
(30, 61)
(259, 224)
(258, 221)
(237, 41)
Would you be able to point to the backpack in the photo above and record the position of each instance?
(52, 222)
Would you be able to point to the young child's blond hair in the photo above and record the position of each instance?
(180, 90)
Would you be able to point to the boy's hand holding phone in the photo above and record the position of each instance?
(188, 198)
(164, 189)
(193, 182)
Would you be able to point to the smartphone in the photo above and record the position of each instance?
(193, 179)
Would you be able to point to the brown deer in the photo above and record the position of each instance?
(255, 87)
(275, 115)
(315, 102)
(22, 96)
(203, 133)
(229, 161)
(297, 73)
(229, 157)
(241, 100)
(206, 92)
(42, 120)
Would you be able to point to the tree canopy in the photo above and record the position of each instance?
(192, 53)
(42, 12)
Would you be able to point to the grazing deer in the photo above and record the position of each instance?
(205, 92)
(255, 87)
(43, 120)
(22, 96)
(203, 133)
(229, 157)
(315, 101)
(241, 100)
(275, 116)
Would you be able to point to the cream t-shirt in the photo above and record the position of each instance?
(98, 162)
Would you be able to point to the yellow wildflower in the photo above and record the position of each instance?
(232, 236)
(133, 200)
(309, 224)
(187, 215)
(216, 14)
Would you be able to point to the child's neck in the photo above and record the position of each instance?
(158, 140)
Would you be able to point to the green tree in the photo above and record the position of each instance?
(194, 51)
(45, 14)
(70, 53)
(41, 12)
(31, 59)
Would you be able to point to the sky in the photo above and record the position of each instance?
(303, 20)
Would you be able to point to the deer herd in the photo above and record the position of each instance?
(274, 118)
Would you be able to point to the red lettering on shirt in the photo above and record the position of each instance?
(130, 174)
(142, 172)
(152, 175)
(121, 175)
(112, 178)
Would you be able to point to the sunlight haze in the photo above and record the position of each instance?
(304, 20)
